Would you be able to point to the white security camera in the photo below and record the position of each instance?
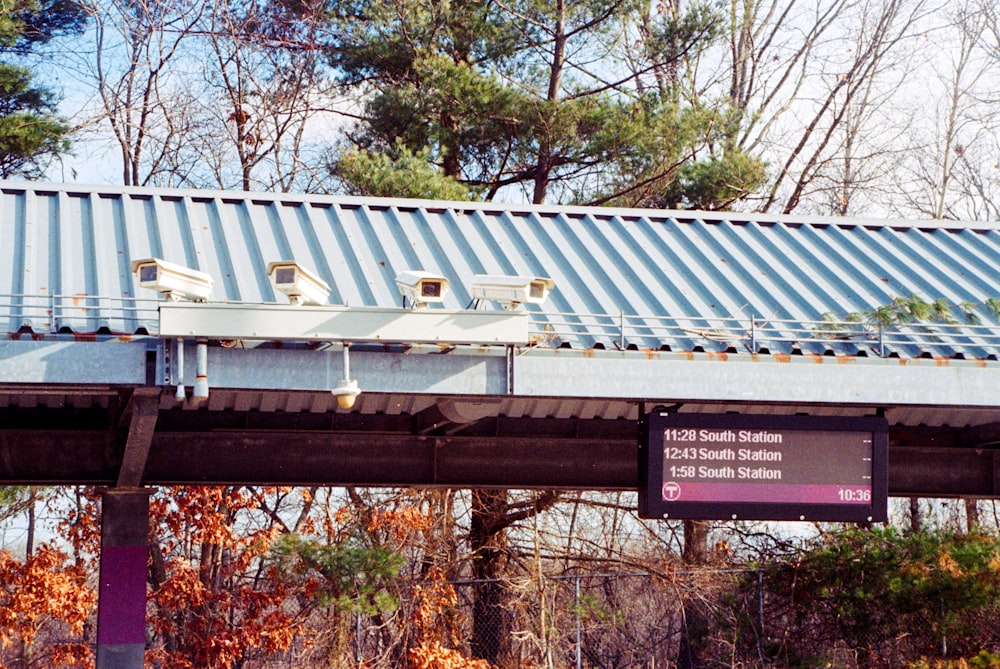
(510, 291)
(174, 281)
(299, 284)
(421, 288)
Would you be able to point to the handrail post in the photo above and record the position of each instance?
(753, 334)
(881, 340)
(579, 639)
(621, 326)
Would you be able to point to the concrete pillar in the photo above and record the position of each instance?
(121, 604)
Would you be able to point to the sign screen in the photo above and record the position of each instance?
(732, 466)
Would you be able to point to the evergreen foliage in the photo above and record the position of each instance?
(889, 597)
(348, 575)
(913, 309)
(498, 97)
(25, 24)
(405, 174)
(30, 130)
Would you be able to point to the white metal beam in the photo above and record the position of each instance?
(278, 322)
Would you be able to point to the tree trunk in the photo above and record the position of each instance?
(543, 165)
(491, 614)
(693, 650)
(440, 547)
(29, 542)
(971, 515)
(915, 519)
(695, 542)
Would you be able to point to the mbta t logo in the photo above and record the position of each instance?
(671, 491)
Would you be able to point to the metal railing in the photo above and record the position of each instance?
(78, 313)
(764, 335)
(43, 315)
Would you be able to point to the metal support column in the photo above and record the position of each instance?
(121, 606)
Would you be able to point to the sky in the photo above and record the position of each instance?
(926, 146)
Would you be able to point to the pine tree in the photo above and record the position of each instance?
(30, 131)
(580, 102)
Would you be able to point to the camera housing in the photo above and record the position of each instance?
(421, 288)
(511, 291)
(346, 393)
(175, 282)
(301, 286)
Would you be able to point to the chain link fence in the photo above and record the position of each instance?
(573, 621)
(597, 620)
(745, 618)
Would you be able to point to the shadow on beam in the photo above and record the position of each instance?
(254, 457)
(393, 460)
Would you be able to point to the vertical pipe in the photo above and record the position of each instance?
(179, 363)
(510, 369)
(944, 636)
(121, 604)
(760, 614)
(348, 390)
(760, 603)
(579, 655)
(621, 327)
(753, 334)
(201, 371)
(357, 638)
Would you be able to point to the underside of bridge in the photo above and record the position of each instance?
(143, 437)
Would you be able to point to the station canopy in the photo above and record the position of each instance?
(700, 311)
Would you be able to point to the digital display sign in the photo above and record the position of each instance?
(754, 467)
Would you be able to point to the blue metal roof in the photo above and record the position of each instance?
(645, 279)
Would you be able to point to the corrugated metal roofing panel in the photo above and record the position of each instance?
(647, 279)
(513, 407)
